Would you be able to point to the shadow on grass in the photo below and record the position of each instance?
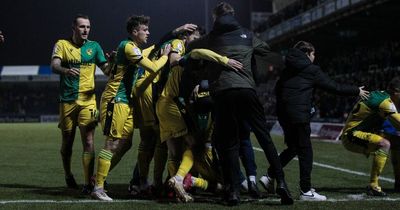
(352, 190)
(117, 191)
(40, 190)
(342, 190)
(120, 192)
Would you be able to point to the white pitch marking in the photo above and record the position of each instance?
(73, 201)
(357, 197)
(339, 169)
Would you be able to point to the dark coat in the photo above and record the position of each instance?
(295, 87)
(228, 38)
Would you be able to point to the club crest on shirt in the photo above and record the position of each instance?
(89, 51)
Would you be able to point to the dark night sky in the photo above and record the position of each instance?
(31, 27)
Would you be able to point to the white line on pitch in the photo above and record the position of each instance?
(361, 197)
(339, 169)
(73, 201)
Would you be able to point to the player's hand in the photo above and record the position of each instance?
(195, 92)
(111, 56)
(364, 94)
(166, 50)
(187, 27)
(72, 72)
(235, 65)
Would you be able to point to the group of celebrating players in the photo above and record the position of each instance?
(194, 104)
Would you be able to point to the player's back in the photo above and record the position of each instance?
(367, 114)
(171, 88)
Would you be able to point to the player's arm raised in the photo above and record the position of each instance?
(156, 65)
(215, 57)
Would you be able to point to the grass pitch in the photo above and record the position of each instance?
(31, 176)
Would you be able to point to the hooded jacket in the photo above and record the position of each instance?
(295, 87)
(228, 38)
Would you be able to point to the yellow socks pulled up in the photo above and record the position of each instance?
(103, 167)
(186, 164)
(200, 183)
(88, 166)
(378, 164)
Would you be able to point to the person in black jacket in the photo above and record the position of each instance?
(235, 99)
(294, 94)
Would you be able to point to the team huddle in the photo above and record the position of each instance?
(193, 100)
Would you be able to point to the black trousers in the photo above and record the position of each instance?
(297, 139)
(234, 107)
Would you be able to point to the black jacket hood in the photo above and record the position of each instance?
(297, 59)
(225, 24)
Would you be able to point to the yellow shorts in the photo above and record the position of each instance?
(82, 115)
(361, 142)
(172, 124)
(116, 120)
(144, 108)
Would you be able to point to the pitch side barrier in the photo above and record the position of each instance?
(319, 130)
(28, 118)
(35, 73)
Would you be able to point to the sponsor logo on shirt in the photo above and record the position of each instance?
(137, 52)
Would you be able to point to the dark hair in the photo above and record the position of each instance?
(199, 29)
(304, 46)
(222, 9)
(202, 30)
(136, 20)
(75, 21)
(394, 86)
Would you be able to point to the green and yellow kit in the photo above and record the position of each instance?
(85, 58)
(360, 133)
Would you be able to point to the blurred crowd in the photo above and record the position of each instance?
(369, 66)
(24, 99)
(30, 98)
(288, 12)
(372, 67)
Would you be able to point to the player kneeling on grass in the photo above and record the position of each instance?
(368, 116)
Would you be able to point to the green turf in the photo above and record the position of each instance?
(31, 170)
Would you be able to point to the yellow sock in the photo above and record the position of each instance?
(186, 164)
(200, 183)
(103, 167)
(378, 163)
(88, 165)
